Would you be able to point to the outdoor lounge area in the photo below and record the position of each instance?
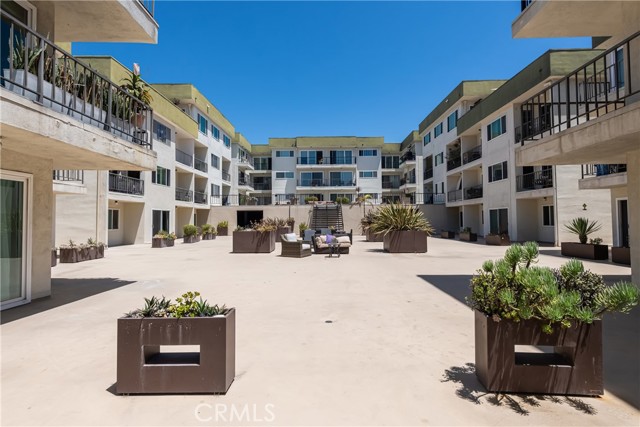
(367, 339)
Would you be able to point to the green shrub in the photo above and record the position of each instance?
(223, 224)
(302, 227)
(190, 230)
(310, 199)
(209, 229)
(342, 200)
(185, 306)
(397, 217)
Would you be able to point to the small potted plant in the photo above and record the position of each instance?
(163, 239)
(135, 86)
(190, 234)
(143, 368)
(405, 229)
(467, 235)
(310, 200)
(583, 227)
(223, 228)
(302, 227)
(208, 232)
(517, 302)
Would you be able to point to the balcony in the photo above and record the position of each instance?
(240, 200)
(472, 155)
(597, 177)
(184, 195)
(407, 157)
(427, 174)
(199, 197)
(262, 186)
(386, 185)
(126, 185)
(535, 180)
(325, 161)
(72, 176)
(453, 163)
(474, 192)
(200, 165)
(325, 183)
(405, 181)
(184, 158)
(244, 181)
(245, 162)
(454, 196)
(226, 176)
(601, 170)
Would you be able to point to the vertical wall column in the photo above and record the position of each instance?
(633, 189)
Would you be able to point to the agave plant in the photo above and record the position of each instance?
(582, 227)
(397, 217)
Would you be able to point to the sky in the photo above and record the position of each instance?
(287, 69)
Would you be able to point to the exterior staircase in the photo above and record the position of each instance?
(326, 216)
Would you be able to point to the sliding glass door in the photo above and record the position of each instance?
(14, 229)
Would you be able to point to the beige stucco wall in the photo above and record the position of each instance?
(633, 188)
(42, 216)
(617, 193)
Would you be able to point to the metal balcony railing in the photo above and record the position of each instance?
(150, 5)
(454, 195)
(245, 160)
(427, 174)
(393, 185)
(325, 183)
(201, 165)
(285, 199)
(600, 170)
(474, 192)
(240, 200)
(184, 158)
(410, 180)
(68, 175)
(439, 199)
(126, 184)
(263, 186)
(453, 163)
(597, 88)
(326, 161)
(471, 155)
(243, 180)
(200, 197)
(184, 195)
(52, 77)
(407, 157)
(226, 176)
(535, 180)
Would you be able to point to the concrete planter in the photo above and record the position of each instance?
(191, 239)
(621, 255)
(468, 237)
(405, 242)
(80, 254)
(159, 242)
(374, 237)
(497, 239)
(584, 250)
(223, 231)
(208, 236)
(574, 368)
(142, 368)
(280, 231)
(253, 242)
(448, 234)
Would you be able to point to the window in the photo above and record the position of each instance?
(498, 172)
(284, 153)
(215, 132)
(548, 219)
(202, 124)
(390, 162)
(368, 153)
(215, 190)
(452, 121)
(340, 157)
(498, 221)
(497, 128)
(161, 132)
(114, 219)
(161, 176)
(427, 138)
(437, 131)
(310, 157)
(227, 141)
(284, 175)
(160, 221)
(439, 159)
(368, 174)
(262, 163)
(311, 179)
(340, 179)
(620, 66)
(215, 161)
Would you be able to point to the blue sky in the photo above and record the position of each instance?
(285, 69)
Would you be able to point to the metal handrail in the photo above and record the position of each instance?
(184, 158)
(201, 165)
(473, 192)
(534, 180)
(184, 194)
(54, 78)
(126, 184)
(68, 175)
(471, 155)
(454, 195)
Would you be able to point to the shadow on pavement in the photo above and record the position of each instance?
(63, 291)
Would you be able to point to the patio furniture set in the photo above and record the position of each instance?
(322, 241)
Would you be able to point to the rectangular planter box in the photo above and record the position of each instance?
(405, 242)
(223, 231)
(253, 242)
(191, 239)
(159, 242)
(575, 367)
(584, 250)
(448, 234)
(468, 237)
(71, 255)
(142, 368)
(210, 236)
(280, 231)
(621, 255)
(374, 237)
(497, 239)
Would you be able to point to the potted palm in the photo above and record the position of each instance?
(144, 368)
(190, 234)
(302, 227)
(163, 239)
(583, 227)
(208, 232)
(519, 303)
(223, 228)
(404, 227)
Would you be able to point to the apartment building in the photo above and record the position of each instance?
(592, 115)
(53, 119)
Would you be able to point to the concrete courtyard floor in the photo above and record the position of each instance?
(399, 349)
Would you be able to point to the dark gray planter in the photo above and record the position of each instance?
(448, 234)
(621, 255)
(468, 237)
(159, 242)
(209, 236)
(374, 237)
(575, 366)
(80, 254)
(223, 231)
(253, 242)
(142, 368)
(584, 250)
(191, 239)
(405, 242)
(497, 239)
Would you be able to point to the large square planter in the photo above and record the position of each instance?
(142, 368)
(405, 242)
(468, 237)
(575, 366)
(208, 236)
(448, 234)
(280, 231)
(70, 255)
(223, 231)
(584, 250)
(159, 242)
(621, 255)
(497, 239)
(374, 237)
(190, 239)
(253, 242)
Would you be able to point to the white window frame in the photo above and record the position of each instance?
(552, 214)
(110, 222)
(374, 174)
(285, 174)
